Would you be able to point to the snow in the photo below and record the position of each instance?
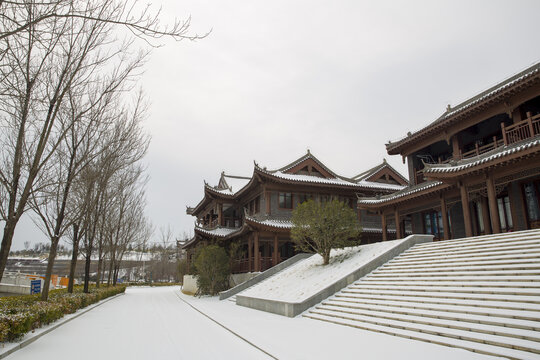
(405, 191)
(277, 223)
(218, 231)
(303, 338)
(156, 323)
(307, 277)
(335, 181)
(145, 323)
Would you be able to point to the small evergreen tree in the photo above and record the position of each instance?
(320, 227)
(213, 269)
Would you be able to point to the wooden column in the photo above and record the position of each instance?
(250, 253)
(444, 214)
(257, 254)
(267, 199)
(513, 205)
(485, 216)
(466, 210)
(456, 151)
(398, 227)
(276, 248)
(220, 214)
(492, 202)
(384, 227)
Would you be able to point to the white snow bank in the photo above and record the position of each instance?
(307, 277)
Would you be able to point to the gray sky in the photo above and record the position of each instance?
(338, 77)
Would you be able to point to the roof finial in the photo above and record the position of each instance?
(384, 160)
(309, 152)
(448, 107)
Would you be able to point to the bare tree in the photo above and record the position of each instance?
(47, 51)
(140, 20)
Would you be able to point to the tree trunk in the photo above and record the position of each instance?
(50, 264)
(73, 264)
(326, 258)
(9, 230)
(87, 269)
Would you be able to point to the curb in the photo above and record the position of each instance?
(226, 328)
(60, 322)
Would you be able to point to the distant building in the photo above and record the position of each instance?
(475, 170)
(253, 213)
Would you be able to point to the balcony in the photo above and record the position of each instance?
(525, 129)
(522, 130)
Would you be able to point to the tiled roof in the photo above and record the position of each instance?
(308, 155)
(399, 194)
(490, 94)
(332, 181)
(374, 170)
(487, 157)
(218, 231)
(276, 223)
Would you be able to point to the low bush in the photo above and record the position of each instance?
(152, 284)
(21, 314)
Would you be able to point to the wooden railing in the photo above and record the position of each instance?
(479, 150)
(522, 130)
(242, 265)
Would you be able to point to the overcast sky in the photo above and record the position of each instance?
(341, 78)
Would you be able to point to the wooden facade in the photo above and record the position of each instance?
(476, 169)
(250, 216)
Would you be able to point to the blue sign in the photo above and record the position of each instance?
(35, 286)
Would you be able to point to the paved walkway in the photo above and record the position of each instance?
(145, 323)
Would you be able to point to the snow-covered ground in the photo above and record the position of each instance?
(302, 338)
(145, 323)
(307, 277)
(156, 323)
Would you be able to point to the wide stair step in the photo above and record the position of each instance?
(481, 294)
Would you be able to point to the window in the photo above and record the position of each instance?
(433, 224)
(531, 191)
(505, 214)
(304, 197)
(285, 201)
(324, 198)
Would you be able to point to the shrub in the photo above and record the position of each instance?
(320, 227)
(21, 314)
(183, 269)
(213, 269)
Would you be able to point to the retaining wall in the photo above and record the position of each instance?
(292, 309)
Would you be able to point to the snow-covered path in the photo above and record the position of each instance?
(145, 323)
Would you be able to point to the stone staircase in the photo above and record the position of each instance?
(481, 294)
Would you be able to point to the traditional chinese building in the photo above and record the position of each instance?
(474, 170)
(252, 214)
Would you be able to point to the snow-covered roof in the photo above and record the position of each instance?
(399, 194)
(308, 155)
(276, 223)
(379, 185)
(374, 170)
(340, 181)
(487, 157)
(490, 94)
(218, 231)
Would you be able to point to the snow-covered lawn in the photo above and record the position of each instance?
(307, 277)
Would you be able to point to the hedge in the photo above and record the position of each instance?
(22, 314)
